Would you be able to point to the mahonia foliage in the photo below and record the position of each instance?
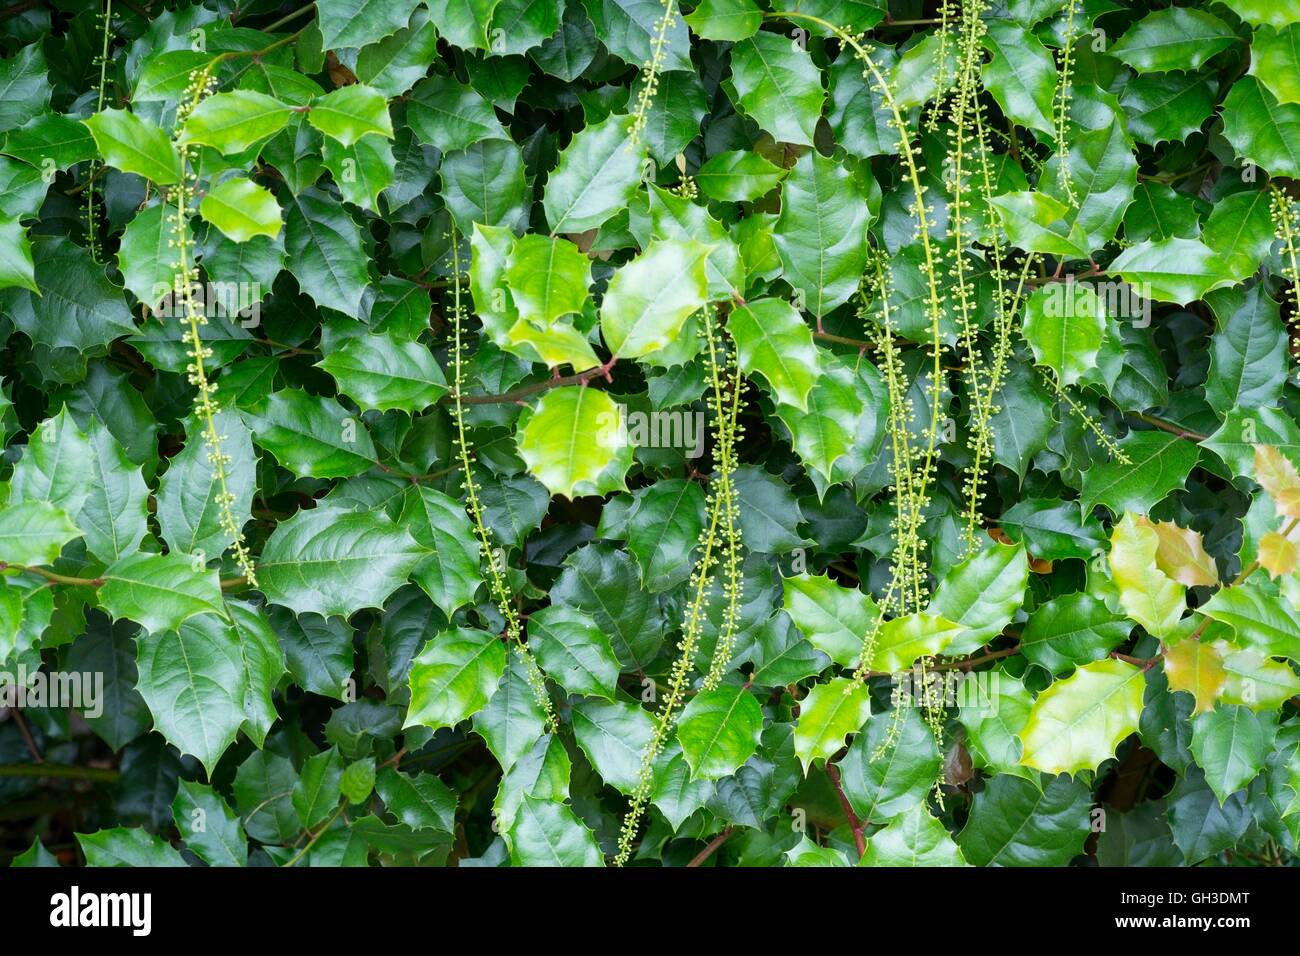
(623, 432)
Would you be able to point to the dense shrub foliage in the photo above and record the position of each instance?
(592, 432)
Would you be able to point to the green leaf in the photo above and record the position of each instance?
(135, 145)
(1262, 130)
(1017, 822)
(335, 563)
(993, 715)
(79, 306)
(326, 252)
(1021, 75)
(464, 22)
(719, 730)
(1164, 107)
(613, 735)
(899, 642)
(982, 594)
(1053, 529)
(392, 64)
(311, 435)
(1263, 622)
(127, 846)
(421, 801)
(148, 256)
(16, 266)
(573, 651)
(596, 177)
(208, 826)
(1248, 356)
(379, 370)
(1231, 744)
(1077, 723)
(546, 833)
(114, 515)
(912, 838)
(1036, 222)
(316, 792)
(34, 532)
(772, 340)
(55, 466)
(725, 19)
(351, 112)
(160, 592)
(232, 122)
(454, 677)
(779, 86)
(449, 573)
(891, 768)
(548, 278)
(630, 27)
(241, 209)
(1275, 61)
(1064, 323)
(835, 619)
(1201, 825)
(664, 529)
(50, 136)
(355, 23)
(570, 439)
(1158, 464)
(1071, 630)
(484, 185)
(738, 176)
(829, 713)
(188, 512)
(821, 232)
(1179, 38)
(193, 681)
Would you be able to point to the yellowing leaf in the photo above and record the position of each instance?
(1280, 479)
(1146, 594)
(1197, 667)
(1277, 554)
(1078, 722)
(1180, 554)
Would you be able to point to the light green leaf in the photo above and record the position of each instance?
(571, 438)
(454, 677)
(34, 532)
(232, 122)
(829, 713)
(982, 594)
(1064, 323)
(835, 619)
(1077, 723)
(242, 209)
(719, 730)
(772, 340)
(135, 145)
